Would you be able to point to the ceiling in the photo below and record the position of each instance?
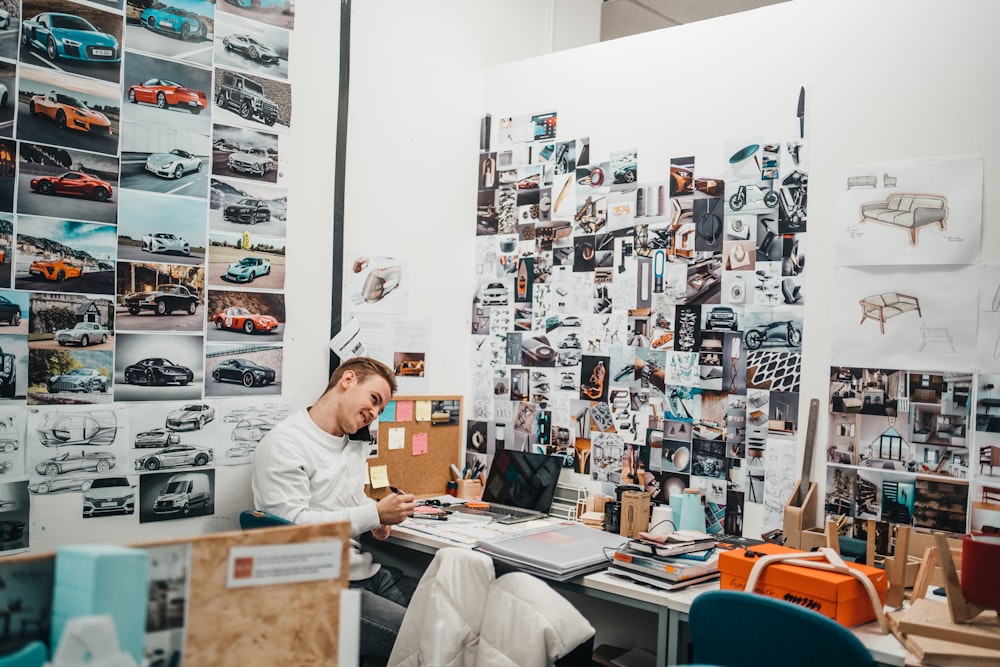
(621, 18)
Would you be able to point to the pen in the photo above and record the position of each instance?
(395, 490)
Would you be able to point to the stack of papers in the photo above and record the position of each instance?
(667, 564)
(559, 551)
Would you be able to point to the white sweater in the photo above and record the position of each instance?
(304, 474)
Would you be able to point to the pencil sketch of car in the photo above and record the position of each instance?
(174, 457)
(69, 462)
(192, 416)
(157, 437)
(97, 428)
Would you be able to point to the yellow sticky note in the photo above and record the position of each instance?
(404, 411)
(423, 411)
(397, 438)
(379, 476)
(419, 444)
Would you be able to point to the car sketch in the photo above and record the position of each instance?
(157, 437)
(243, 371)
(96, 428)
(183, 493)
(8, 446)
(156, 370)
(253, 163)
(173, 457)
(166, 94)
(73, 184)
(83, 334)
(251, 430)
(70, 462)
(54, 269)
(191, 416)
(109, 495)
(243, 319)
(247, 211)
(10, 312)
(69, 37)
(251, 47)
(52, 484)
(173, 21)
(163, 300)
(174, 164)
(164, 242)
(84, 380)
(247, 269)
(69, 112)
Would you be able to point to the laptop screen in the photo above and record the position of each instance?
(521, 479)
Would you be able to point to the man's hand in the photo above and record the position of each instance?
(395, 507)
(382, 532)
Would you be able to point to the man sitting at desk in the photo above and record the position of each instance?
(308, 470)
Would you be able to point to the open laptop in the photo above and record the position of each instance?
(520, 487)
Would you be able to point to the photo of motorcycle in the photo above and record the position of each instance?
(754, 197)
(784, 332)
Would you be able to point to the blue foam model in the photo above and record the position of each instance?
(95, 579)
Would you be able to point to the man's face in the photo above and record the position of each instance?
(362, 402)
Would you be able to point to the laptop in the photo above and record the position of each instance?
(520, 487)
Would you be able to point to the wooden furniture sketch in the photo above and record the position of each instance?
(989, 456)
(881, 307)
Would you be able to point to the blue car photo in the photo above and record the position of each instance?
(285, 5)
(173, 21)
(69, 37)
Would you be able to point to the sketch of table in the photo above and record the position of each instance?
(935, 336)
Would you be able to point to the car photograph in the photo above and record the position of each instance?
(242, 319)
(285, 5)
(69, 112)
(247, 211)
(10, 312)
(166, 94)
(626, 174)
(73, 184)
(173, 21)
(96, 428)
(192, 416)
(84, 380)
(255, 164)
(164, 300)
(174, 164)
(174, 457)
(157, 437)
(8, 374)
(251, 47)
(69, 37)
(247, 269)
(83, 334)
(722, 317)
(495, 294)
(4, 19)
(156, 370)
(54, 269)
(570, 342)
(243, 371)
(70, 462)
(109, 495)
(164, 242)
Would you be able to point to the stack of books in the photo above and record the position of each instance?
(559, 551)
(683, 558)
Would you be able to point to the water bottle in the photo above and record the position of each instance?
(692, 513)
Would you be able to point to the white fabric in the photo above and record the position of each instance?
(461, 617)
(304, 474)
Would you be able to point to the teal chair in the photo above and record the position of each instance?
(33, 654)
(740, 629)
(250, 519)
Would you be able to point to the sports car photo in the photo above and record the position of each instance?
(73, 184)
(243, 371)
(69, 112)
(156, 370)
(54, 269)
(253, 163)
(173, 21)
(243, 319)
(10, 312)
(173, 457)
(83, 334)
(84, 380)
(192, 416)
(251, 48)
(157, 437)
(166, 94)
(247, 211)
(97, 428)
(247, 269)
(69, 462)
(174, 164)
(286, 5)
(69, 37)
(163, 300)
(163, 242)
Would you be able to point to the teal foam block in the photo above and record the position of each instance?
(102, 579)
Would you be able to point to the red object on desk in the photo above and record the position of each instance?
(980, 575)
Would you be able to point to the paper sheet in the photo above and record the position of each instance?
(419, 444)
(397, 438)
(379, 476)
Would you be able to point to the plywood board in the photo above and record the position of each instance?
(926, 618)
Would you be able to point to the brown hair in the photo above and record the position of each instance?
(364, 368)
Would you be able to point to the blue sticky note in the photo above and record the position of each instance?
(389, 414)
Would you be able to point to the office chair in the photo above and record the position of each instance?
(740, 629)
(250, 519)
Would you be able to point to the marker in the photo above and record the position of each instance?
(395, 490)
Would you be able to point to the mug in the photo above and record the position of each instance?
(612, 516)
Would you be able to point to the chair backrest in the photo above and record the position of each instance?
(250, 519)
(740, 629)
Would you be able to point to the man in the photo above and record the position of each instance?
(308, 470)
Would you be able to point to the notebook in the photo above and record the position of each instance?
(520, 486)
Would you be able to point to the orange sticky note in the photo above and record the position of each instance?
(404, 411)
(419, 444)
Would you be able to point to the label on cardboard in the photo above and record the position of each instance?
(270, 564)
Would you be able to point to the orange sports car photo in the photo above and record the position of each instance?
(69, 112)
(74, 184)
(243, 320)
(54, 269)
(166, 94)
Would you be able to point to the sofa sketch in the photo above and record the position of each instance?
(885, 306)
(862, 182)
(909, 212)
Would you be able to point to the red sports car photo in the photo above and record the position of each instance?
(242, 319)
(166, 94)
(74, 184)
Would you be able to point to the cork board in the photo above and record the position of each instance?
(425, 474)
(286, 624)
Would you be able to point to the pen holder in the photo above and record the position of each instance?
(470, 488)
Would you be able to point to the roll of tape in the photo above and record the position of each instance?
(661, 520)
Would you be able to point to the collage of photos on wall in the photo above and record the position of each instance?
(643, 321)
(143, 216)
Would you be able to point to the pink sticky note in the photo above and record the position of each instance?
(404, 411)
(419, 444)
